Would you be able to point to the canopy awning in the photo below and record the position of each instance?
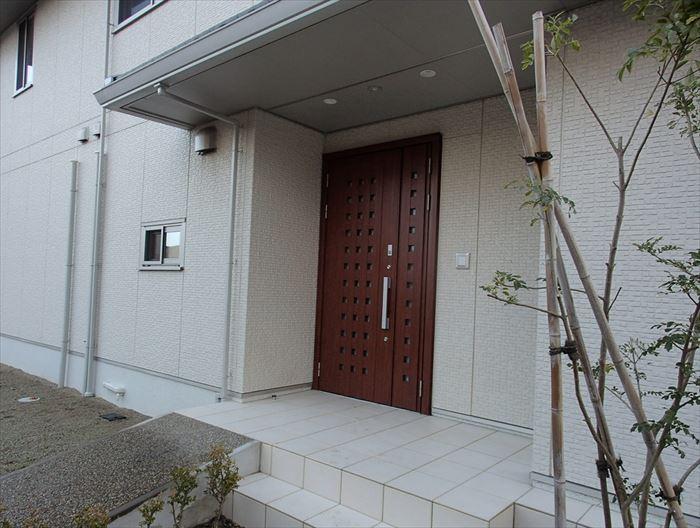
(287, 57)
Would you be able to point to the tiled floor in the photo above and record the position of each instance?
(337, 461)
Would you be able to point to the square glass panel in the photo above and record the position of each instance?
(173, 236)
(153, 245)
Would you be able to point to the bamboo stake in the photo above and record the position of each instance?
(556, 393)
(630, 389)
(607, 449)
(497, 41)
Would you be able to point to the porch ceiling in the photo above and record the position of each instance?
(287, 57)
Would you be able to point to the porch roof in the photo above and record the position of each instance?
(288, 57)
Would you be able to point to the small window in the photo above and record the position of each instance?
(25, 54)
(129, 8)
(162, 246)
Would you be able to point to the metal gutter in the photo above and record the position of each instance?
(68, 287)
(88, 375)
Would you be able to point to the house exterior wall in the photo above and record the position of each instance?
(163, 326)
(661, 201)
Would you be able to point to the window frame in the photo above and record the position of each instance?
(119, 25)
(163, 263)
(27, 75)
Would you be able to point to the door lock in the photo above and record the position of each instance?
(386, 339)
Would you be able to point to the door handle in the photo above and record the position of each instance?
(386, 284)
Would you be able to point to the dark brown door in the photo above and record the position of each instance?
(376, 295)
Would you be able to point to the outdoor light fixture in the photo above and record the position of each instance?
(427, 74)
(374, 88)
(330, 101)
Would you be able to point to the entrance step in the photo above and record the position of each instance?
(262, 501)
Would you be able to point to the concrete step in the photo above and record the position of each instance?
(262, 501)
(431, 495)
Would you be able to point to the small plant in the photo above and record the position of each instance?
(33, 521)
(149, 510)
(184, 483)
(4, 523)
(223, 478)
(91, 517)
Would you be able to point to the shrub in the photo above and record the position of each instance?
(184, 483)
(91, 517)
(149, 510)
(223, 476)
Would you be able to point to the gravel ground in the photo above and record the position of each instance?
(112, 471)
(60, 420)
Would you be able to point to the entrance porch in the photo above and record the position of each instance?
(330, 460)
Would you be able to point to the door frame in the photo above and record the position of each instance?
(430, 254)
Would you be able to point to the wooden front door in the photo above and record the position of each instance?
(376, 296)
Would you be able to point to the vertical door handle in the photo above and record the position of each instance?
(386, 284)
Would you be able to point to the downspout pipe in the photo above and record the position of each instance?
(88, 375)
(68, 286)
(162, 90)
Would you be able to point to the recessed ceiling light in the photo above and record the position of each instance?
(427, 74)
(330, 101)
(374, 88)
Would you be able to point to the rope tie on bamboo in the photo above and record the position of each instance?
(569, 349)
(539, 156)
(677, 492)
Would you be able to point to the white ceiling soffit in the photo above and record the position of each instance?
(287, 57)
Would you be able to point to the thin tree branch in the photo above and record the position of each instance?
(588, 103)
(659, 81)
(523, 305)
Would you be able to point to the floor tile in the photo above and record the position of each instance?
(499, 486)
(274, 435)
(334, 437)
(474, 459)
(461, 434)
(267, 489)
(524, 456)
(373, 444)
(302, 505)
(407, 458)
(406, 511)
(303, 445)
(422, 484)
(543, 500)
(322, 480)
(377, 469)
(277, 519)
(500, 444)
(512, 470)
(362, 495)
(339, 457)
(340, 517)
(451, 471)
(473, 502)
(431, 447)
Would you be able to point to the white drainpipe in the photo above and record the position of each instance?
(68, 288)
(162, 90)
(88, 376)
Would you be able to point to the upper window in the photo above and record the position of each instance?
(163, 245)
(25, 52)
(129, 8)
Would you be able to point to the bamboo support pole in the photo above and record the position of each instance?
(497, 47)
(618, 362)
(605, 447)
(556, 392)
